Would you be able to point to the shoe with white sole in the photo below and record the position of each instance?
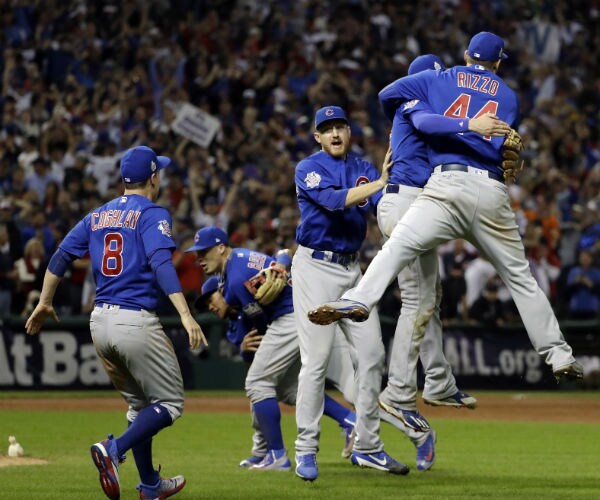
(306, 466)
(106, 459)
(380, 461)
(274, 460)
(250, 461)
(161, 490)
(410, 418)
(457, 400)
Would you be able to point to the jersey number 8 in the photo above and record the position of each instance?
(112, 260)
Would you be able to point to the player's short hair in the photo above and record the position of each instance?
(136, 185)
(486, 64)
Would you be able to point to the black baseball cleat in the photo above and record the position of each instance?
(572, 371)
(330, 312)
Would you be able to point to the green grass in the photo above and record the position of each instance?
(475, 459)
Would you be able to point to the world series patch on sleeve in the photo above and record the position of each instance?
(267, 285)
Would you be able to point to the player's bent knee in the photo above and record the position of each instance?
(256, 393)
(132, 414)
(175, 410)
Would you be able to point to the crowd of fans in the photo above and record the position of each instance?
(84, 80)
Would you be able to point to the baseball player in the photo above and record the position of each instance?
(464, 198)
(419, 330)
(269, 329)
(130, 246)
(336, 190)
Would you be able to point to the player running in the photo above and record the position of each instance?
(130, 246)
(267, 326)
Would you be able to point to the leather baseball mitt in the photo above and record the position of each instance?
(267, 285)
(512, 166)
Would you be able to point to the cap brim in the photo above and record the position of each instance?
(331, 120)
(193, 248)
(163, 161)
(200, 302)
(504, 55)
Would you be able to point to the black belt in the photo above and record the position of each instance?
(459, 167)
(343, 259)
(127, 308)
(392, 188)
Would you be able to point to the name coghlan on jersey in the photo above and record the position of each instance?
(115, 218)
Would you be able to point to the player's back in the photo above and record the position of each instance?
(409, 154)
(469, 92)
(123, 235)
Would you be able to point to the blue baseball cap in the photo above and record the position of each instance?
(329, 113)
(486, 46)
(139, 163)
(208, 237)
(426, 61)
(210, 286)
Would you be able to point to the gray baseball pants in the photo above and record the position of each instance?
(315, 282)
(419, 329)
(276, 365)
(471, 206)
(138, 358)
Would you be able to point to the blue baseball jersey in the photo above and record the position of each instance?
(322, 184)
(242, 265)
(237, 329)
(458, 92)
(121, 236)
(411, 165)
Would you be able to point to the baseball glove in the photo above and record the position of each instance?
(512, 166)
(267, 285)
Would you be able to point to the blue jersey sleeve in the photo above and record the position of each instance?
(243, 265)
(319, 186)
(155, 230)
(77, 241)
(404, 89)
(237, 330)
(433, 124)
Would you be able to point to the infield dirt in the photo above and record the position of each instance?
(517, 407)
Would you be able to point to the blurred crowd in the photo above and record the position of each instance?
(82, 81)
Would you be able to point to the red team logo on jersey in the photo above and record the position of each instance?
(363, 179)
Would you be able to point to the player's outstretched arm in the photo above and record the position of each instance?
(34, 323)
(431, 123)
(358, 194)
(192, 328)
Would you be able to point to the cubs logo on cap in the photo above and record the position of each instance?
(208, 237)
(328, 113)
